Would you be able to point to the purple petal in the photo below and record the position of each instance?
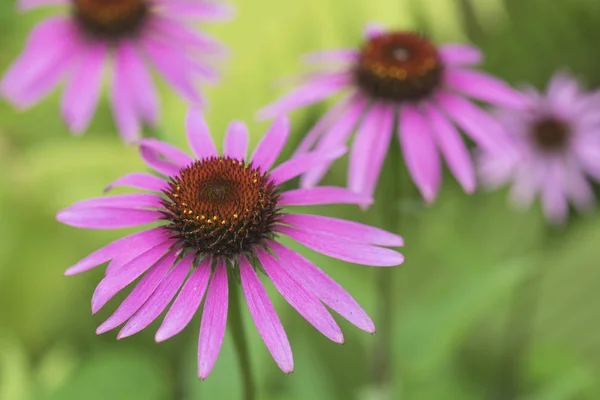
(26, 5)
(236, 141)
(152, 158)
(187, 302)
(349, 230)
(482, 128)
(265, 318)
(207, 10)
(272, 143)
(420, 154)
(554, 201)
(143, 93)
(81, 95)
(159, 299)
(171, 30)
(138, 296)
(106, 218)
(302, 163)
(459, 55)
(112, 284)
(198, 135)
(325, 288)
(313, 91)
(485, 87)
(322, 195)
(170, 153)
(452, 147)
(136, 200)
(336, 134)
(122, 98)
(306, 303)
(343, 249)
(214, 319)
(139, 180)
(135, 244)
(373, 29)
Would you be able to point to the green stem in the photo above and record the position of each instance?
(236, 327)
(390, 220)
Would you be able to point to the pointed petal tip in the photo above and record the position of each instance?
(162, 335)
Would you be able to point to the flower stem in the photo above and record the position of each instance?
(236, 327)
(390, 220)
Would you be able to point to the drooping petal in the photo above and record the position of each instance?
(325, 288)
(322, 195)
(302, 163)
(343, 249)
(135, 244)
(159, 299)
(236, 141)
(130, 200)
(187, 302)
(112, 284)
(452, 147)
(271, 144)
(139, 180)
(26, 5)
(198, 135)
(214, 319)
(554, 200)
(138, 296)
(152, 158)
(122, 99)
(167, 30)
(460, 55)
(420, 153)
(265, 318)
(342, 228)
(205, 10)
(485, 87)
(106, 218)
(81, 95)
(305, 302)
(168, 152)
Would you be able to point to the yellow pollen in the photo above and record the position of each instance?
(235, 215)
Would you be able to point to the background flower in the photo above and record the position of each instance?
(554, 151)
(132, 33)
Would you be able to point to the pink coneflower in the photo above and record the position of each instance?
(75, 47)
(221, 216)
(555, 149)
(400, 78)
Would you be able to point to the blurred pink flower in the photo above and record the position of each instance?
(132, 33)
(400, 78)
(222, 216)
(554, 149)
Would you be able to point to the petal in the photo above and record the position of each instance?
(272, 143)
(302, 163)
(482, 128)
(139, 180)
(322, 195)
(485, 87)
(122, 99)
(198, 135)
(152, 158)
(106, 218)
(452, 147)
(81, 95)
(265, 318)
(420, 154)
(325, 288)
(160, 299)
(132, 201)
(214, 319)
(26, 5)
(349, 230)
(236, 141)
(373, 29)
(206, 10)
(112, 284)
(459, 55)
(554, 200)
(168, 152)
(187, 302)
(138, 296)
(314, 90)
(135, 244)
(306, 303)
(167, 30)
(343, 249)
(336, 134)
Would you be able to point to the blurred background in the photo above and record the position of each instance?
(465, 255)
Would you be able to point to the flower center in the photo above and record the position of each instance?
(221, 206)
(398, 66)
(551, 134)
(110, 18)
